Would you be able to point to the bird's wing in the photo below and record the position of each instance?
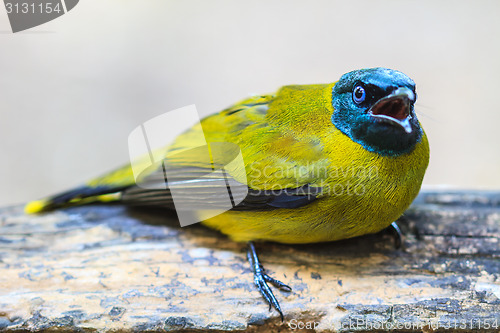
(193, 177)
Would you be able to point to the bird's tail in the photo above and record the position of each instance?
(80, 196)
(106, 188)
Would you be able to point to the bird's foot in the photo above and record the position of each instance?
(261, 279)
(396, 232)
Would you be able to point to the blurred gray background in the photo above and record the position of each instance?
(73, 89)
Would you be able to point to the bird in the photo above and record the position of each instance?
(321, 162)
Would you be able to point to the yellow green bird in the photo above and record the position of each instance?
(322, 162)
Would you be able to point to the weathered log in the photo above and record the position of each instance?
(108, 268)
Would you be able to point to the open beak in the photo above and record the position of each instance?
(395, 108)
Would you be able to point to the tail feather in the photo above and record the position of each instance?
(79, 196)
(106, 188)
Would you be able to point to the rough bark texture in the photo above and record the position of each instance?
(106, 268)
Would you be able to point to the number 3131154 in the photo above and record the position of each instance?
(32, 8)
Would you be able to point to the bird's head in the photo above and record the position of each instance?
(374, 107)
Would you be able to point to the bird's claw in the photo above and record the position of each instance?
(396, 232)
(261, 279)
(277, 283)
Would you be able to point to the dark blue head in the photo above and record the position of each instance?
(374, 107)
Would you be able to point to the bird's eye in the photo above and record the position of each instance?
(358, 94)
